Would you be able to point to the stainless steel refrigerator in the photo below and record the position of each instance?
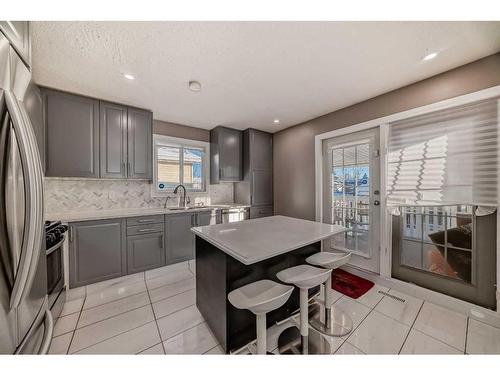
(26, 323)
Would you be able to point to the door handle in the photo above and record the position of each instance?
(146, 230)
(33, 187)
(49, 330)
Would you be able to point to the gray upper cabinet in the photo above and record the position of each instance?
(145, 251)
(85, 137)
(113, 140)
(96, 251)
(72, 134)
(140, 133)
(18, 33)
(257, 187)
(260, 146)
(226, 160)
(180, 239)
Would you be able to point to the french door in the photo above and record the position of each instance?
(351, 195)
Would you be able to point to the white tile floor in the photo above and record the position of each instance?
(154, 312)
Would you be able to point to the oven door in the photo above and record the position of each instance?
(55, 272)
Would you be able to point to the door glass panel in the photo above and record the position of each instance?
(438, 240)
(350, 176)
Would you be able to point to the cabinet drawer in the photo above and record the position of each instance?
(139, 220)
(256, 212)
(144, 229)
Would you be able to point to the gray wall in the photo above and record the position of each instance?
(181, 131)
(294, 147)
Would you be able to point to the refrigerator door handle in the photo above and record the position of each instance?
(14, 202)
(49, 330)
(33, 221)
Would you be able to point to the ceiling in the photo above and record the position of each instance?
(251, 72)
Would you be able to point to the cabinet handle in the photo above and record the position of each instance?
(193, 220)
(146, 230)
(129, 169)
(146, 220)
(70, 233)
(161, 241)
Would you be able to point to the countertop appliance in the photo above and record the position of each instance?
(56, 290)
(231, 215)
(26, 323)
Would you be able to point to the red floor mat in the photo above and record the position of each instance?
(351, 285)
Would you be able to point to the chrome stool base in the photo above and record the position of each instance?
(291, 342)
(335, 322)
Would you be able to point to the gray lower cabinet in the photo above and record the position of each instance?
(105, 249)
(263, 211)
(145, 251)
(72, 134)
(180, 239)
(97, 251)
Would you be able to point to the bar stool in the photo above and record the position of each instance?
(336, 322)
(260, 297)
(303, 277)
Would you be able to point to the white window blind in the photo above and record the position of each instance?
(445, 157)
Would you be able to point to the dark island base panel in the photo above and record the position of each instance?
(217, 274)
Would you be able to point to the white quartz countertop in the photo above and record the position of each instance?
(252, 241)
(129, 212)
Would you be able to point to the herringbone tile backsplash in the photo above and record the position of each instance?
(63, 194)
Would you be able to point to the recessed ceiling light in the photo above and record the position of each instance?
(194, 86)
(128, 76)
(430, 56)
(276, 121)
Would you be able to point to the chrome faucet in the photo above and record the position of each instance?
(183, 198)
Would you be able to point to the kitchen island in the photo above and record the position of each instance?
(231, 255)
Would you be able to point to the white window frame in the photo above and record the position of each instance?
(383, 124)
(164, 140)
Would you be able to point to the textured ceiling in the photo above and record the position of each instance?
(251, 72)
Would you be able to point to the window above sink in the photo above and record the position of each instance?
(179, 161)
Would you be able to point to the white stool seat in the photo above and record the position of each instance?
(304, 276)
(329, 260)
(261, 296)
